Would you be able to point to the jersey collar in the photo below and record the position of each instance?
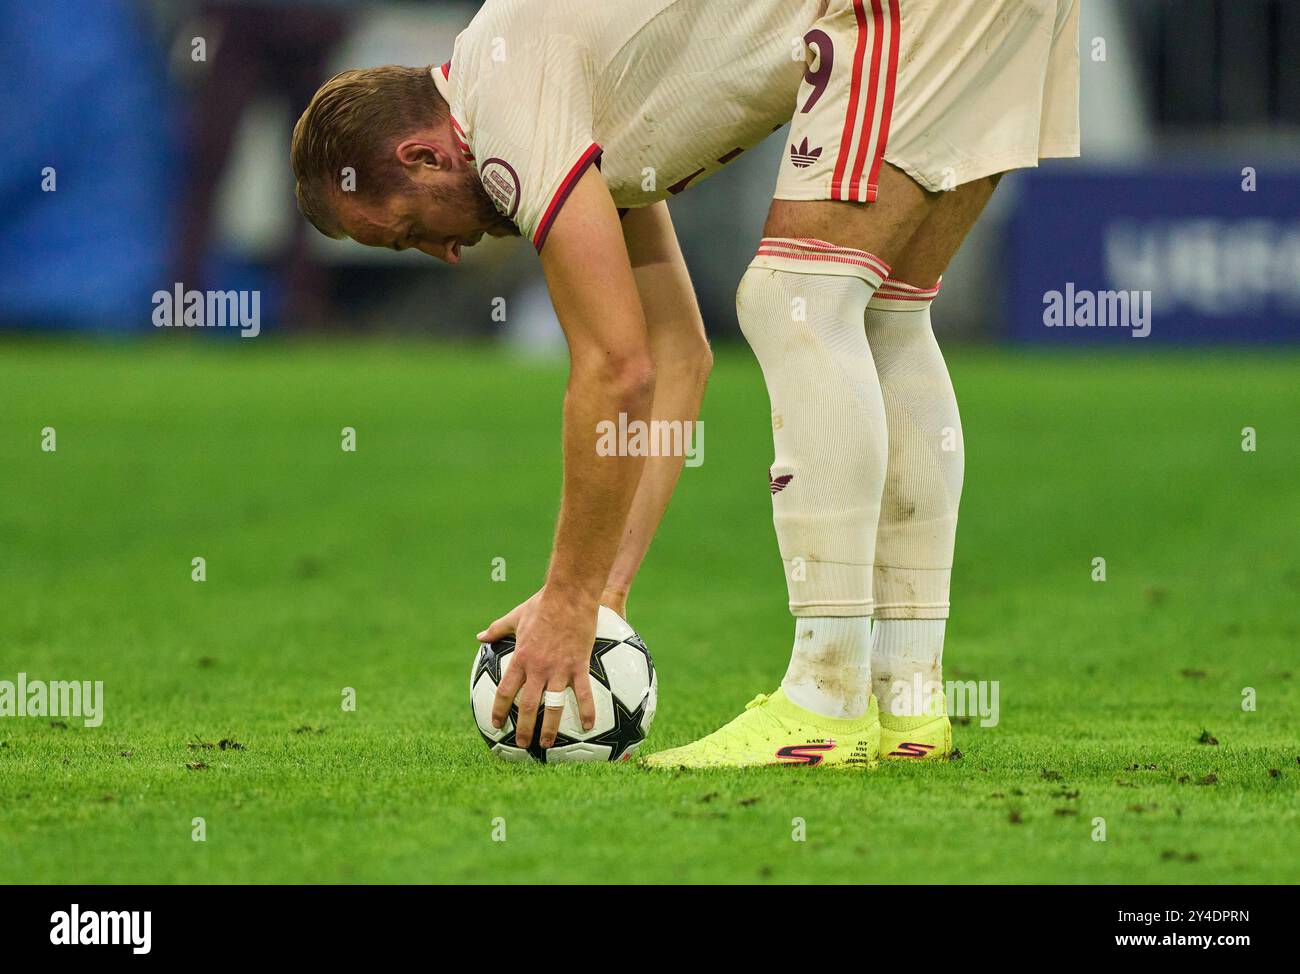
(442, 81)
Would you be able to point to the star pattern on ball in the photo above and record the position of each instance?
(627, 731)
(636, 640)
(535, 749)
(490, 658)
(598, 651)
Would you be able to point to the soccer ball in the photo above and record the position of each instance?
(623, 684)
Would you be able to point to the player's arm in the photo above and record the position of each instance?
(611, 371)
(682, 361)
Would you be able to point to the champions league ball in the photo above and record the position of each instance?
(624, 687)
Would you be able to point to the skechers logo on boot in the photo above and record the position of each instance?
(809, 754)
(911, 749)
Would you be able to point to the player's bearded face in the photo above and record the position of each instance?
(465, 192)
(439, 218)
(455, 207)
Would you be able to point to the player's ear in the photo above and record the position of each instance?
(415, 152)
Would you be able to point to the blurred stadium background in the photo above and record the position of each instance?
(163, 129)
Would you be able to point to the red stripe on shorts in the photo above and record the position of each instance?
(855, 86)
(887, 109)
(869, 116)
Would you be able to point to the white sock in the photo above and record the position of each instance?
(907, 664)
(802, 306)
(830, 668)
(918, 511)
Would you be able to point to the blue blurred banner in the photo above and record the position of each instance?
(1159, 254)
(85, 166)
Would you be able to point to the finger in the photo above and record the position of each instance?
(586, 702)
(511, 680)
(503, 627)
(551, 715)
(529, 698)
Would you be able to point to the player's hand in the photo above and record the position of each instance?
(508, 624)
(553, 640)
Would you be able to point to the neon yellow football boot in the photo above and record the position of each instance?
(927, 737)
(774, 730)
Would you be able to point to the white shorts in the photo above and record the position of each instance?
(946, 90)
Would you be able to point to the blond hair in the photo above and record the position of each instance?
(353, 121)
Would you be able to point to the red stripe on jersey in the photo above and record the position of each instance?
(446, 70)
(846, 137)
(685, 181)
(591, 154)
(458, 134)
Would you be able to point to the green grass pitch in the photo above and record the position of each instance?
(373, 570)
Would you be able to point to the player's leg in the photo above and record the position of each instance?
(993, 87)
(801, 314)
(925, 256)
(835, 191)
(840, 215)
(918, 515)
(954, 92)
(801, 305)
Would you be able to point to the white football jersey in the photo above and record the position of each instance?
(659, 94)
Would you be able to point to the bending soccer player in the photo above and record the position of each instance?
(571, 122)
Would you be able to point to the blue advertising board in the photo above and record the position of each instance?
(1155, 254)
